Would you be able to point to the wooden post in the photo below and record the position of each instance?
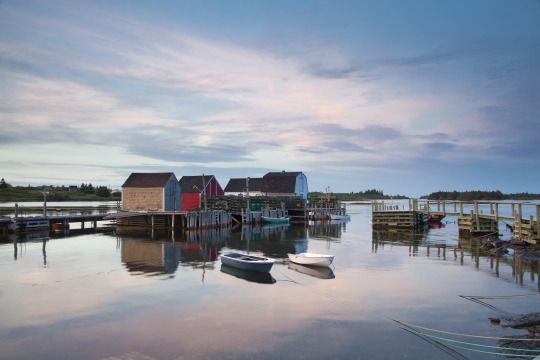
(152, 219)
(438, 206)
(491, 208)
(513, 210)
(461, 209)
(538, 225)
(520, 214)
(497, 212)
(82, 224)
(95, 224)
(477, 218)
(531, 233)
(455, 208)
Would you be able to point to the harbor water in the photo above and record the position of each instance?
(126, 294)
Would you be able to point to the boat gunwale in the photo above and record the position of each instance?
(312, 255)
(262, 261)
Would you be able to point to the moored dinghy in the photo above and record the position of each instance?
(339, 217)
(275, 220)
(311, 259)
(247, 262)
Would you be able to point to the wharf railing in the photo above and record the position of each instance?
(474, 216)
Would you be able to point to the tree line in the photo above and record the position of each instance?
(479, 195)
(86, 191)
(370, 194)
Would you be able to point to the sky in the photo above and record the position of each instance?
(407, 97)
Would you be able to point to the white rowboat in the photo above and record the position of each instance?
(311, 259)
(339, 217)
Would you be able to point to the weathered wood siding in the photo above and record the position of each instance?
(142, 199)
(191, 201)
(172, 195)
(214, 188)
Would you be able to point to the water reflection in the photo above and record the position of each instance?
(466, 251)
(251, 276)
(327, 230)
(317, 272)
(162, 252)
(274, 241)
(150, 257)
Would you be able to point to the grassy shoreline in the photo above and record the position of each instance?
(14, 194)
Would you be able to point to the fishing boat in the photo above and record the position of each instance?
(311, 259)
(339, 217)
(247, 262)
(275, 220)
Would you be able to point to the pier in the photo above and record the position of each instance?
(474, 217)
(218, 211)
(172, 219)
(33, 223)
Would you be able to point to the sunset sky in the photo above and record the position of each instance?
(405, 96)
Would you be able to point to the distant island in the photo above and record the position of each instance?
(83, 192)
(479, 195)
(371, 194)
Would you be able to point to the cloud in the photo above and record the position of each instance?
(158, 93)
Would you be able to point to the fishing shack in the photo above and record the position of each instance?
(196, 189)
(151, 191)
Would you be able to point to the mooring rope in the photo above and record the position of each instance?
(463, 334)
(536, 351)
(444, 344)
(483, 303)
(500, 297)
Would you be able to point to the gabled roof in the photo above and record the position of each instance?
(187, 183)
(280, 182)
(144, 180)
(283, 173)
(239, 185)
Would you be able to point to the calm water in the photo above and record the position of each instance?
(124, 295)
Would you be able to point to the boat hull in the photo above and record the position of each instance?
(311, 259)
(243, 262)
(339, 217)
(271, 220)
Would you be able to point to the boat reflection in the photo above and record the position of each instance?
(315, 271)
(251, 276)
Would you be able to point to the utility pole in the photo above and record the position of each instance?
(204, 191)
(247, 191)
(45, 193)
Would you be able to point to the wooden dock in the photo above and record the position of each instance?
(172, 219)
(474, 222)
(36, 223)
